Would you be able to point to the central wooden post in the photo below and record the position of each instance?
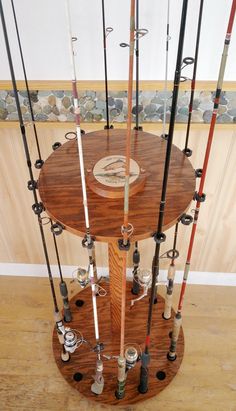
(115, 273)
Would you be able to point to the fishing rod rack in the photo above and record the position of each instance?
(61, 207)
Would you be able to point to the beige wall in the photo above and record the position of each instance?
(215, 245)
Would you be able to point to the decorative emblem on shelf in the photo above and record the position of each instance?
(110, 171)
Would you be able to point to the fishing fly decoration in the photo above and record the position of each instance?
(117, 341)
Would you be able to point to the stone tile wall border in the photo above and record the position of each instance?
(56, 106)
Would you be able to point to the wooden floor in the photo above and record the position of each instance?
(30, 380)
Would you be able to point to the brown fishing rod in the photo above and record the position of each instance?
(200, 196)
(126, 228)
(159, 236)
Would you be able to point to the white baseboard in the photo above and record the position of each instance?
(40, 270)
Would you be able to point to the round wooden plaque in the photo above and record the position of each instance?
(83, 360)
(107, 178)
(61, 193)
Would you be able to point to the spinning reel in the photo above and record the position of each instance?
(81, 276)
(131, 357)
(144, 279)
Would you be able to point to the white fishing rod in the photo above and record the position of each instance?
(97, 386)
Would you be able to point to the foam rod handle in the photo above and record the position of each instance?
(67, 314)
(174, 338)
(143, 385)
(135, 287)
(64, 294)
(168, 305)
(171, 272)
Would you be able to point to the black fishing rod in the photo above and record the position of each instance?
(173, 254)
(136, 261)
(200, 196)
(106, 31)
(38, 164)
(56, 230)
(137, 126)
(187, 151)
(164, 135)
(37, 206)
(159, 236)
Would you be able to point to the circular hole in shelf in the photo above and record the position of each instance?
(161, 375)
(79, 303)
(78, 376)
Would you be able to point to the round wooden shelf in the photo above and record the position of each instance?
(83, 360)
(60, 185)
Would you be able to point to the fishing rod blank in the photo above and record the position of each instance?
(200, 196)
(137, 126)
(126, 228)
(56, 230)
(187, 150)
(106, 32)
(37, 206)
(87, 242)
(185, 219)
(136, 261)
(38, 164)
(159, 236)
(164, 135)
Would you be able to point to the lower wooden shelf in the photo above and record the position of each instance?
(84, 359)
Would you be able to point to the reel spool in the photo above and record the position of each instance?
(82, 277)
(144, 277)
(131, 357)
(70, 340)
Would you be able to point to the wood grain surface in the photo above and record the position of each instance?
(83, 360)
(60, 185)
(31, 381)
(115, 273)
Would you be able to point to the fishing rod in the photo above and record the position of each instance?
(173, 254)
(38, 164)
(87, 242)
(159, 236)
(200, 196)
(136, 260)
(37, 207)
(170, 278)
(142, 32)
(137, 126)
(168, 38)
(126, 228)
(106, 32)
(187, 151)
(139, 33)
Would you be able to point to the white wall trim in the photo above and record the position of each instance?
(40, 270)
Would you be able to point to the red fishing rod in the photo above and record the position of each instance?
(200, 196)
